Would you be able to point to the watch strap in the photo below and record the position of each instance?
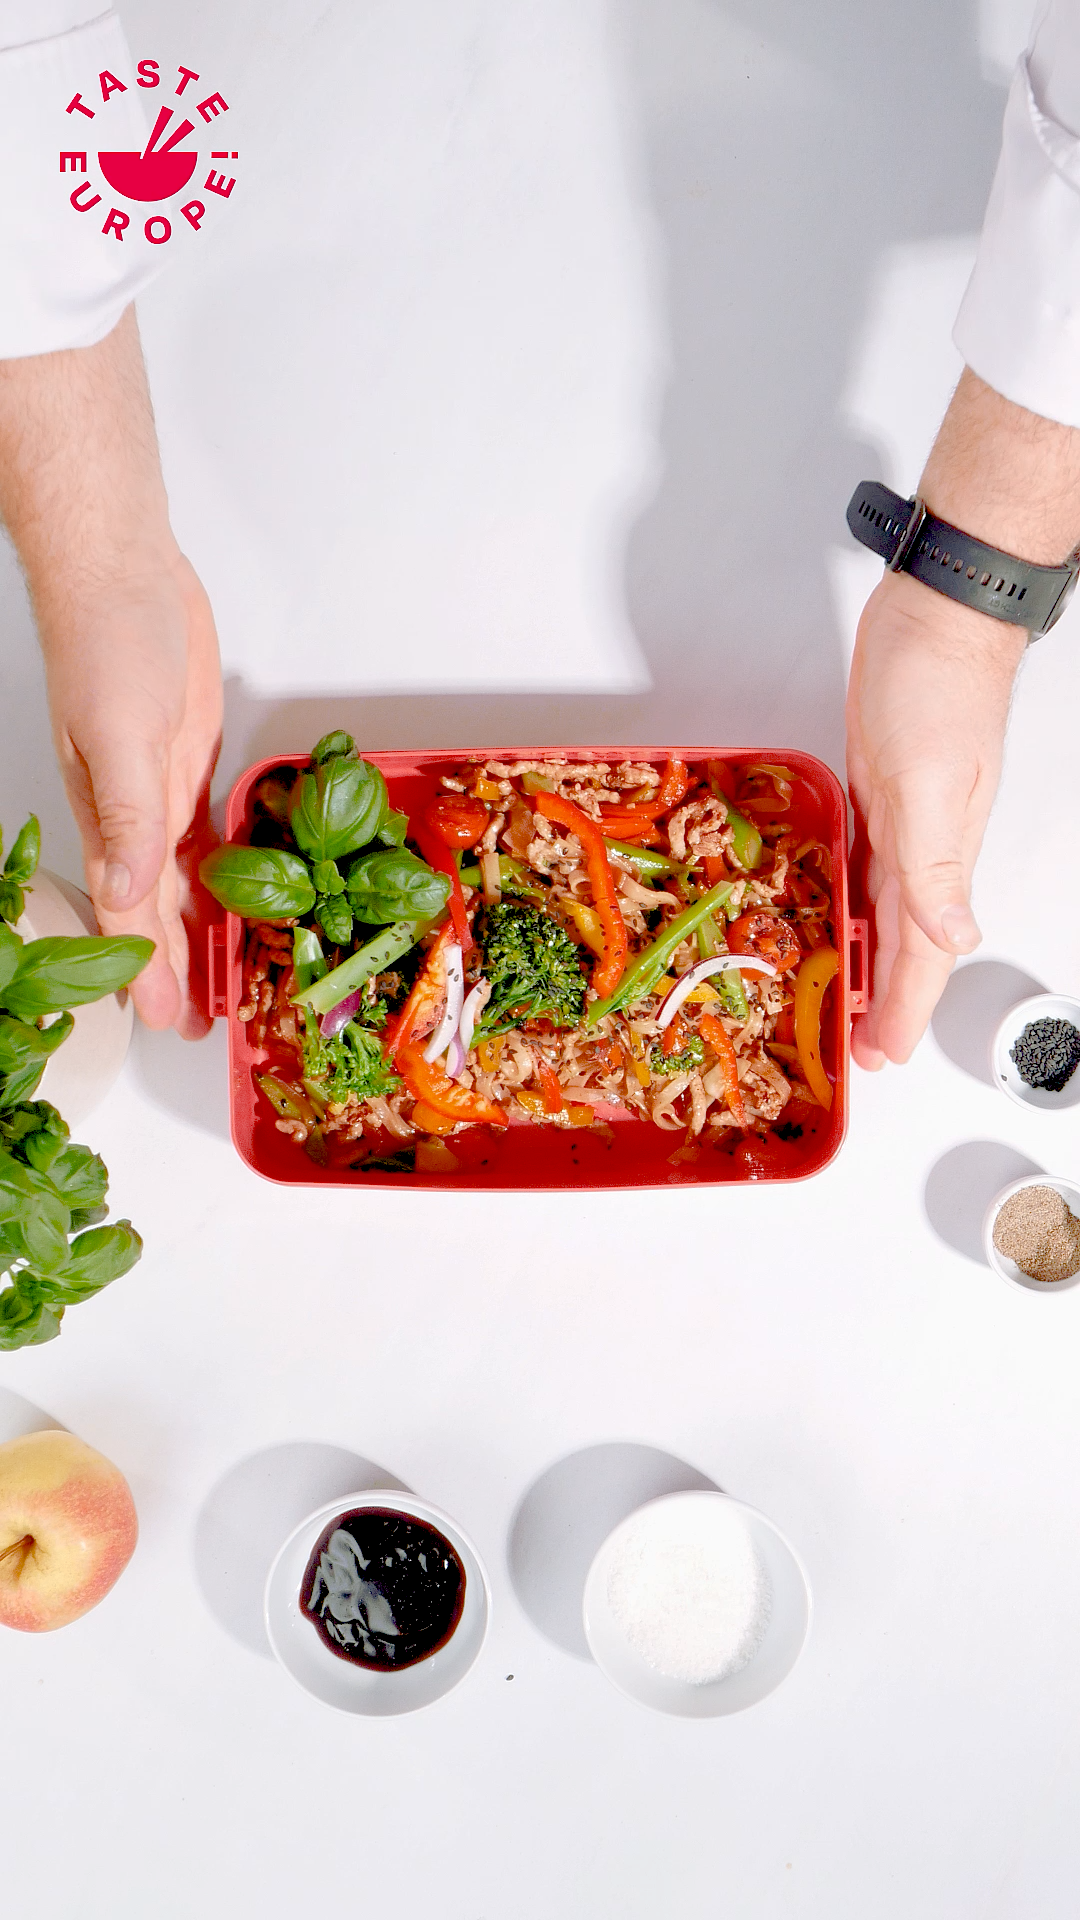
(911, 540)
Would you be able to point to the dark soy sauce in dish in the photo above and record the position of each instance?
(382, 1589)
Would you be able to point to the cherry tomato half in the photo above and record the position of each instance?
(457, 818)
(766, 935)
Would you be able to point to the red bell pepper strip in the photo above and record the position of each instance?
(719, 1039)
(423, 1009)
(675, 1037)
(549, 1086)
(673, 787)
(436, 1089)
(622, 824)
(439, 856)
(609, 971)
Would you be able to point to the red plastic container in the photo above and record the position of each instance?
(528, 1156)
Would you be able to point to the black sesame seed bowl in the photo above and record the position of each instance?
(1035, 1053)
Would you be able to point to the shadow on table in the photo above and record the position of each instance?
(188, 1080)
(568, 1513)
(252, 1510)
(972, 1007)
(961, 1185)
(19, 1416)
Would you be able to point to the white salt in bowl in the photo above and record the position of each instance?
(1041, 1006)
(1013, 1275)
(781, 1644)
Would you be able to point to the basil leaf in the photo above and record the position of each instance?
(37, 1118)
(333, 746)
(79, 1177)
(12, 901)
(26, 1318)
(307, 957)
(336, 807)
(395, 885)
(326, 877)
(394, 828)
(11, 947)
(335, 917)
(34, 1213)
(25, 854)
(24, 1051)
(95, 1258)
(65, 972)
(259, 883)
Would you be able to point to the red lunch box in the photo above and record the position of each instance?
(529, 1156)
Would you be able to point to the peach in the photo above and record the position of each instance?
(68, 1528)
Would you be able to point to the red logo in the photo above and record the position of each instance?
(161, 170)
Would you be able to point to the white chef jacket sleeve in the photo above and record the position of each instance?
(63, 282)
(1019, 323)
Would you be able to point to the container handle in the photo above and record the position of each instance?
(859, 975)
(217, 970)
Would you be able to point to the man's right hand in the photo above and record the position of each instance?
(135, 695)
(126, 632)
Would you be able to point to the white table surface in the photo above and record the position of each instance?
(521, 394)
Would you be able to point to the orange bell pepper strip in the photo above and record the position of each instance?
(675, 1037)
(610, 969)
(621, 824)
(674, 786)
(813, 977)
(439, 856)
(435, 1089)
(423, 1009)
(719, 1039)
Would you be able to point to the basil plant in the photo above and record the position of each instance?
(337, 806)
(54, 1251)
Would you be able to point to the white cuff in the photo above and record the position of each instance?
(1019, 322)
(63, 282)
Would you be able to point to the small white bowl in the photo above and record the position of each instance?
(785, 1636)
(1041, 1006)
(1008, 1269)
(340, 1683)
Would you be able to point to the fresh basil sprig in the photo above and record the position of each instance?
(395, 885)
(64, 972)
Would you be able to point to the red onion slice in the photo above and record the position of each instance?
(475, 1003)
(339, 1016)
(455, 995)
(721, 963)
(454, 1064)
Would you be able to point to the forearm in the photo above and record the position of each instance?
(81, 490)
(1006, 476)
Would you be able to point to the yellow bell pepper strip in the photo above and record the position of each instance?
(434, 1156)
(436, 1089)
(609, 971)
(719, 1039)
(423, 1009)
(429, 1121)
(649, 967)
(484, 789)
(811, 981)
(588, 923)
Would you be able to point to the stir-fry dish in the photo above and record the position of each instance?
(544, 941)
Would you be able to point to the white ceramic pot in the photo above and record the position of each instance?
(81, 1072)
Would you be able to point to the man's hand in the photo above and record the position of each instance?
(928, 703)
(127, 635)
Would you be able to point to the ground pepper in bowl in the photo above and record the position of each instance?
(1036, 1229)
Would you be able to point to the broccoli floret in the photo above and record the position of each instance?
(685, 1061)
(534, 970)
(352, 1062)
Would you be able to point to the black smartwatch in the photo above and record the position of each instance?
(911, 540)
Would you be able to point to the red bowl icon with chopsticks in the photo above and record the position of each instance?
(157, 172)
